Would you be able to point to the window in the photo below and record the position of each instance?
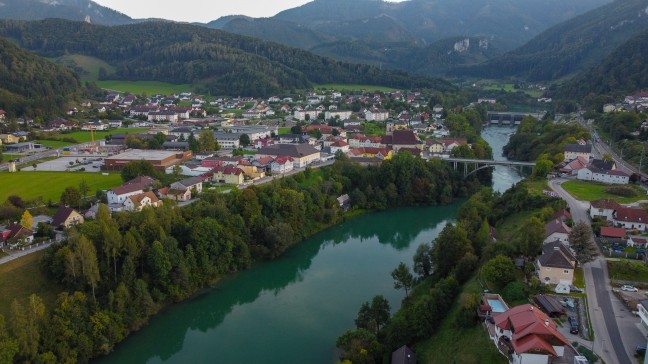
(566, 271)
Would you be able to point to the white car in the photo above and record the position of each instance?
(629, 288)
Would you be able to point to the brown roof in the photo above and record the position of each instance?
(557, 255)
(137, 199)
(290, 150)
(632, 215)
(128, 188)
(606, 203)
(556, 226)
(61, 215)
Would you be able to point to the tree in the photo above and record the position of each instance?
(193, 143)
(138, 168)
(360, 346)
(27, 220)
(207, 141)
(403, 279)
(580, 239)
(87, 257)
(8, 345)
(84, 188)
(71, 197)
(244, 140)
(499, 271)
(423, 260)
(373, 316)
(542, 168)
(297, 129)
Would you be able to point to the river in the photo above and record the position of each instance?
(497, 137)
(292, 310)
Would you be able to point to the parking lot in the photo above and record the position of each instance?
(91, 164)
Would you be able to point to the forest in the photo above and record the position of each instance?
(119, 270)
(213, 61)
(31, 85)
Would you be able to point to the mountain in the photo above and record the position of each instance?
(569, 47)
(79, 10)
(390, 34)
(31, 85)
(622, 72)
(214, 61)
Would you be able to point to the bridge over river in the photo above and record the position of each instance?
(479, 164)
(511, 118)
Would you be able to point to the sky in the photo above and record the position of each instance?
(200, 10)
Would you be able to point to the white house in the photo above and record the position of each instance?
(301, 114)
(138, 202)
(592, 173)
(631, 218)
(189, 184)
(340, 145)
(375, 114)
(282, 165)
(605, 208)
(341, 114)
(573, 151)
(557, 230)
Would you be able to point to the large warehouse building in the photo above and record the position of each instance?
(160, 159)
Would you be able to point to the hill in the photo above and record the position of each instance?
(397, 35)
(624, 71)
(79, 10)
(31, 85)
(569, 47)
(213, 61)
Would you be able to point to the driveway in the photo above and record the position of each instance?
(609, 316)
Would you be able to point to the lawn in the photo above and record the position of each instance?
(84, 136)
(142, 87)
(54, 144)
(509, 87)
(22, 277)
(50, 185)
(579, 278)
(587, 191)
(628, 270)
(536, 186)
(508, 228)
(8, 157)
(90, 65)
(338, 87)
(284, 131)
(452, 344)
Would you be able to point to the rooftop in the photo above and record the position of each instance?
(143, 154)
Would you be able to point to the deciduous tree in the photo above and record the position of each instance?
(27, 220)
(499, 271)
(403, 279)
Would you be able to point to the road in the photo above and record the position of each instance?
(608, 315)
(600, 149)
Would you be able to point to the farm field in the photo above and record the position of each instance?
(141, 87)
(339, 87)
(84, 136)
(50, 185)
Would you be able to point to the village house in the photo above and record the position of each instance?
(573, 151)
(599, 175)
(525, 334)
(65, 218)
(556, 264)
(231, 175)
(574, 166)
(375, 114)
(163, 115)
(174, 194)
(604, 207)
(339, 114)
(16, 234)
(637, 241)
(557, 230)
(450, 144)
(363, 141)
(302, 115)
(140, 201)
(609, 232)
(281, 165)
(9, 139)
(402, 139)
(365, 152)
(339, 145)
(228, 140)
(302, 154)
(631, 218)
(118, 195)
(193, 184)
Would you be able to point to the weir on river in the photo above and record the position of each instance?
(292, 310)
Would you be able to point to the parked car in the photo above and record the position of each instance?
(576, 289)
(640, 349)
(629, 288)
(573, 325)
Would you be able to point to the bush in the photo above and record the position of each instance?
(514, 292)
(623, 191)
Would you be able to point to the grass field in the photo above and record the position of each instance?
(536, 186)
(628, 270)
(284, 131)
(509, 87)
(21, 278)
(586, 191)
(452, 344)
(84, 136)
(54, 144)
(338, 87)
(89, 65)
(7, 157)
(50, 185)
(141, 87)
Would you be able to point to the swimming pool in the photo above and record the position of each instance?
(497, 306)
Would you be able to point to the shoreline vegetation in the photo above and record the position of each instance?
(117, 271)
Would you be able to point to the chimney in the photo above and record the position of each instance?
(546, 322)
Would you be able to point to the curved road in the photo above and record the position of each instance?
(608, 343)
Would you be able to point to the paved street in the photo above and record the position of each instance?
(609, 316)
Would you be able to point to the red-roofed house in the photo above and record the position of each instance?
(450, 144)
(402, 139)
(281, 165)
(340, 145)
(613, 232)
(638, 241)
(631, 219)
(231, 175)
(361, 140)
(16, 234)
(525, 334)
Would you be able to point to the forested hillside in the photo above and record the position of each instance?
(569, 47)
(31, 85)
(64, 9)
(623, 71)
(213, 61)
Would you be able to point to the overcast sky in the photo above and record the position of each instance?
(199, 10)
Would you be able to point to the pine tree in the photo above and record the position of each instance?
(581, 241)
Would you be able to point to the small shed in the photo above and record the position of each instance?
(549, 305)
(404, 355)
